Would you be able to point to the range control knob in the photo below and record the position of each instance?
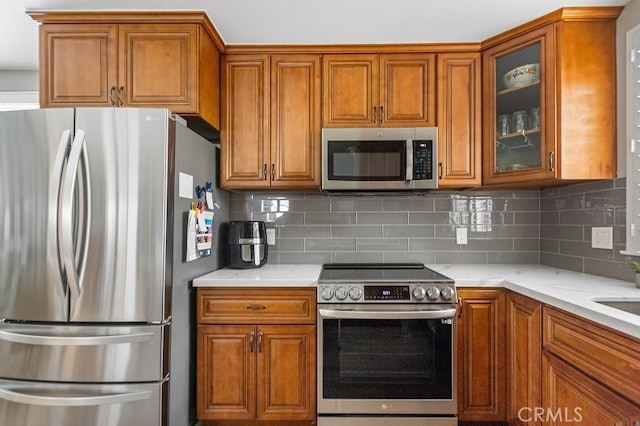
(355, 293)
(447, 293)
(433, 293)
(326, 293)
(419, 293)
(341, 293)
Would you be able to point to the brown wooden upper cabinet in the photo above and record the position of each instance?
(550, 99)
(459, 120)
(132, 60)
(271, 130)
(368, 90)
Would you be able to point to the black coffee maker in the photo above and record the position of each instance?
(247, 244)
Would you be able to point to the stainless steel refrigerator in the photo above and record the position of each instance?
(97, 314)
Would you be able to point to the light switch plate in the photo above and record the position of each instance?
(461, 235)
(185, 186)
(602, 237)
(271, 236)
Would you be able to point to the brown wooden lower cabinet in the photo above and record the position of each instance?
(563, 369)
(524, 344)
(252, 372)
(570, 396)
(481, 355)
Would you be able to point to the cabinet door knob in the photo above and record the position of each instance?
(381, 115)
(252, 338)
(121, 95)
(273, 171)
(375, 114)
(264, 172)
(111, 93)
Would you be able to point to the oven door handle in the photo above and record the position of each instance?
(416, 314)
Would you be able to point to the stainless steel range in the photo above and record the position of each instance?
(386, 346)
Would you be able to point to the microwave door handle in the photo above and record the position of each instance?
(409, 157)
(417, 314)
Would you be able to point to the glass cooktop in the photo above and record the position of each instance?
(379, 272)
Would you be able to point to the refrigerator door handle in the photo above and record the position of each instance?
(73, 273)
(84, 249)
(62, 340)
(53, 237)
(33, 398)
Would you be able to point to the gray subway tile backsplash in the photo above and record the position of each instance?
(567, 216)
(551, 227)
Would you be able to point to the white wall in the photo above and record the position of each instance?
(12, 81)
(629, 18)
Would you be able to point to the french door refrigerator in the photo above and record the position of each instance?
(97, 322)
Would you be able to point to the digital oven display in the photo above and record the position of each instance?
(396, 292)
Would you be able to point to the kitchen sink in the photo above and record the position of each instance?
(631, 306)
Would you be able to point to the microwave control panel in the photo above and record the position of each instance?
(422, 159)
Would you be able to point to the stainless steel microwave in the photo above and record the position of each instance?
(389, 159)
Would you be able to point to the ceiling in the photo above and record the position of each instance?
(302, 21)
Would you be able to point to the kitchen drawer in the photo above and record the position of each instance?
(83, 353)
(256, 306)
(63, 404)
(610, 357)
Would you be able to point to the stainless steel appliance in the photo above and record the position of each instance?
(386, 346)
(379, 159)
(96, 319)
(247, 244)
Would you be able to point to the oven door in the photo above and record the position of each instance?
(386, 360)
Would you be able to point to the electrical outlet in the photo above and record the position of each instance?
(271, 236)
(461, 235)
(602, 237)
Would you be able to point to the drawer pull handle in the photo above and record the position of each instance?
(256, 307)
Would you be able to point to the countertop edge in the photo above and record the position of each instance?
(570, 291)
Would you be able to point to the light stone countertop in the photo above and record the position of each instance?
(265, 276)
(570, 291)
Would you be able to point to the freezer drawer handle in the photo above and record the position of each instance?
(75, 401)
(57, 340)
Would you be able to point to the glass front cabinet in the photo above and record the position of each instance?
(518, 111)
(549, 100)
